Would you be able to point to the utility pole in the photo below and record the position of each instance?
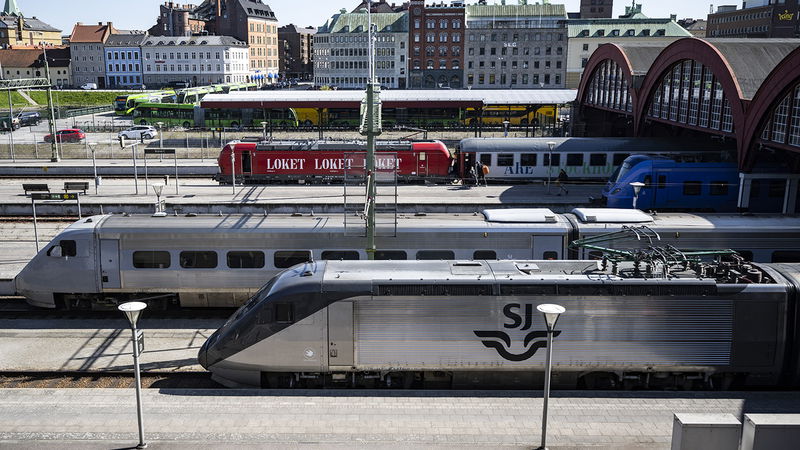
(370, 126)
(53, 146)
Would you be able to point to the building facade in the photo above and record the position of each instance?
(596, 9)
(17, 30)
(436, 40)
(177, 20)
(123, 53)
(29, 63)
(87, 51)
(255, 23)
(340, 50)
(697, 27)
(757, 19)
(296, 47)
(197, 60)
(633, 28)
(516, 46)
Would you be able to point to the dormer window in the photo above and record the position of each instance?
(630, 32)
(646, 32)
(660, 32)
(601, 32)
(614, 33)
(583, 33)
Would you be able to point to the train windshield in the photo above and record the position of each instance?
(623, 170)
(254, 300)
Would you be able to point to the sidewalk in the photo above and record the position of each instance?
(106, 418)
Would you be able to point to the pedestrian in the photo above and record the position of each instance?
(561, 180)
(473, 176)
(484, 170)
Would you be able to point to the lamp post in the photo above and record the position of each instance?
(637, 187)
(264, 128)
(92, 147)
(52, 122)
(550, 146)
(551, 313)
(157, 188)
(132, 311)
(505, 128)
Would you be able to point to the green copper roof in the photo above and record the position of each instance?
(516, 10)
(357, 23)
(11, 8)
(620, 28)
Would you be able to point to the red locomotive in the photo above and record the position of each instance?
(325, 161)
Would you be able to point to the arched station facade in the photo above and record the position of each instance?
(742, 91)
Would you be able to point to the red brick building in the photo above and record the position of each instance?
(436, 45)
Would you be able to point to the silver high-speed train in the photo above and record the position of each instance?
(475, 324)
(221, 261)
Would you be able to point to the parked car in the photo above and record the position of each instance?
(89, 86)
(67, 135)
(29, 118)
(139, 132)
(9, 123)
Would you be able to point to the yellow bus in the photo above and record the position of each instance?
(516, 115)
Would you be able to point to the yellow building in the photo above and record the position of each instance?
(16, 30)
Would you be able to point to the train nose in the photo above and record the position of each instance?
(202, 356)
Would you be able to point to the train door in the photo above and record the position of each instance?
(109, 263)
(340, 334)
(547, 247)
(422, 164)
(247, 163)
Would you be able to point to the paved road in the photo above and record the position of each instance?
(106, 418)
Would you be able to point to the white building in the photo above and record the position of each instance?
(340, 50)
(197, 60)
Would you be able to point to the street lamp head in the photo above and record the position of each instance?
(551, 145)
(92, 145)
(132, 311)
(637, 187)
(551, 313)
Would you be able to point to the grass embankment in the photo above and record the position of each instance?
(73, 99)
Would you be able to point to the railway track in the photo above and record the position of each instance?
(15, 308)
(84, 380)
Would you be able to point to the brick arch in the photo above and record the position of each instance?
(600, 55)
(705, 53)
(778, 84)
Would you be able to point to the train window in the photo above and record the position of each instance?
(284, 313)
(574, 159)
(527, 159)
(151, 260)
(246, 260)
(776, 188)
(556, 159)
(68, 248)
(288, 258)
(782, 256)
(619, 158)
(343, 255)
(484, 254)
(435, 254)
(598, 159)
(384, 255)
(550, 255)
(198, 260)
(662, 181)
(691, 187)
(486, 158)
(505, 159)
(718, 188)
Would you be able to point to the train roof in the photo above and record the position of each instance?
(581, 144)
(588, 219)
(539, 272)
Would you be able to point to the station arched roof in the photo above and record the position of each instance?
(734, 83)
(439, 98)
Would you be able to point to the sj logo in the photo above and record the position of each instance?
(518, 319)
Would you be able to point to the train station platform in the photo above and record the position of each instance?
(107, 167)
(206, 419)
(205, 196)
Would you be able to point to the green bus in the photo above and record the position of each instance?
(190, 115)
(125, 104)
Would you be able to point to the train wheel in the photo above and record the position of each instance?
(234, 124)
(186, 125)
